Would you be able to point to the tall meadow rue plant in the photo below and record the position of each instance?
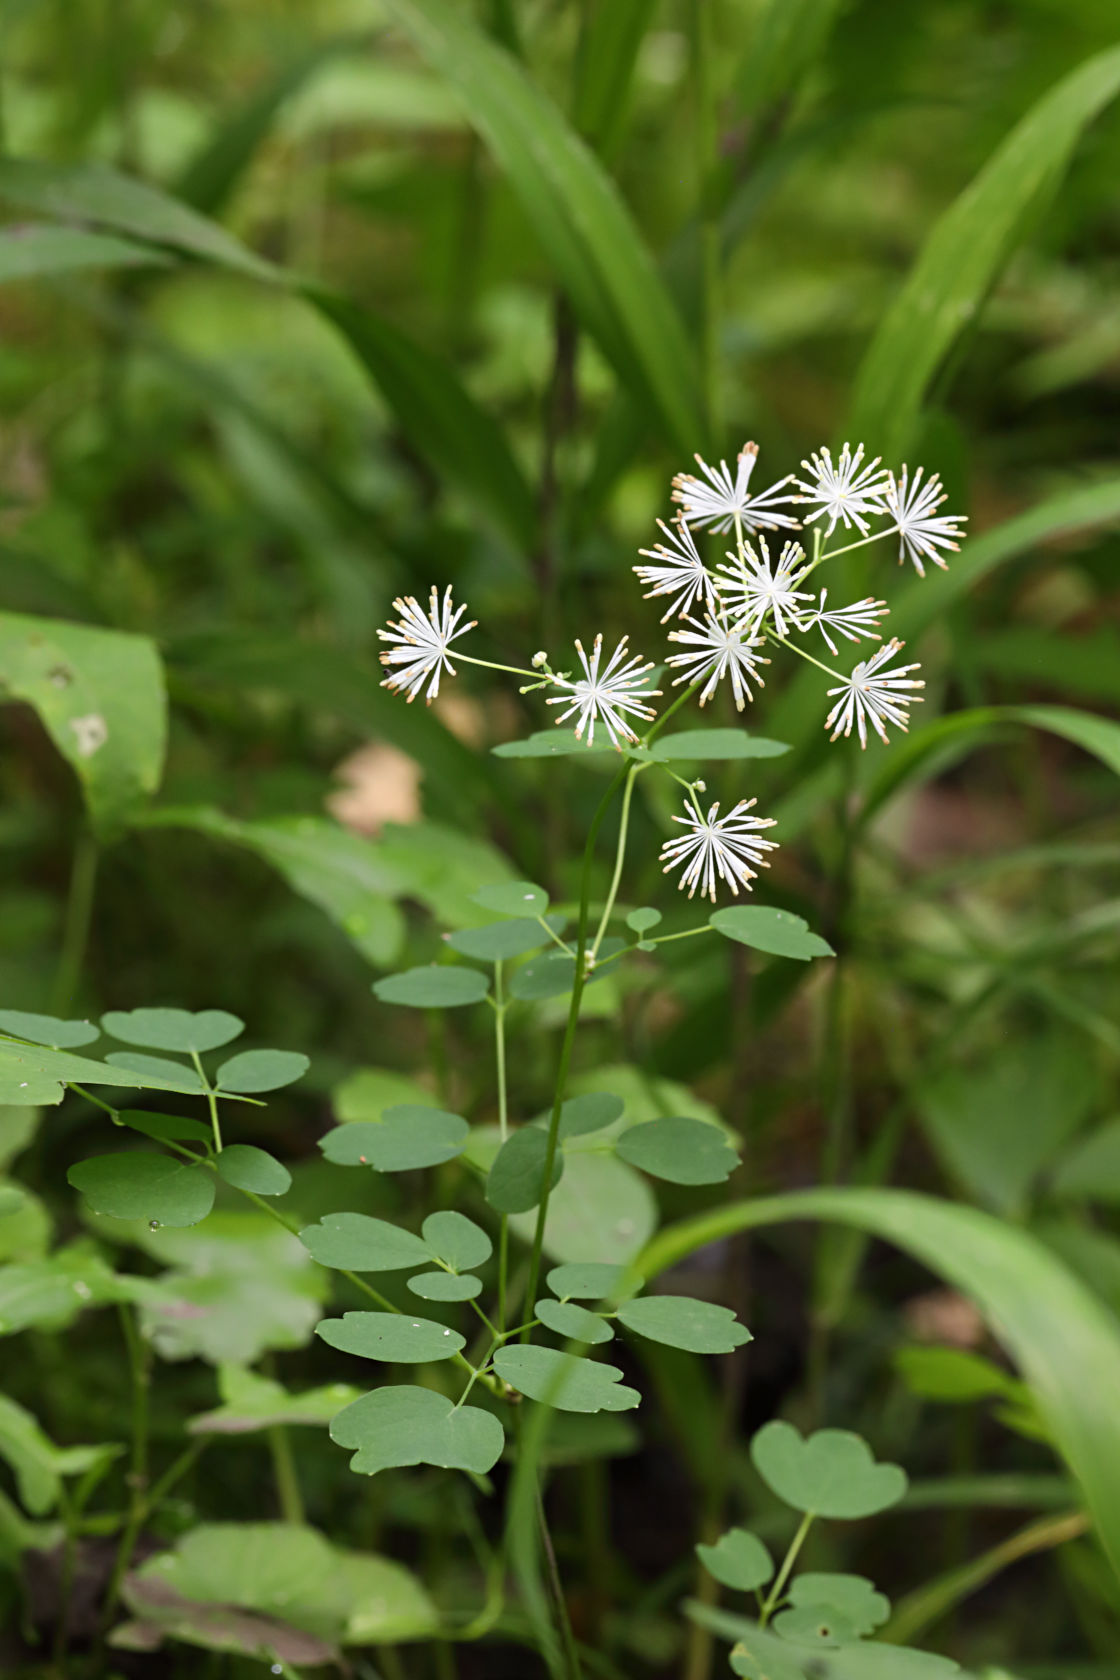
(522, 1328)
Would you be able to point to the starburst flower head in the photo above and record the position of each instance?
(719, 500)
(716, 650)
(422, 640)
(718, 847)
(872, 694)
(609, 694)
(844, 490)
(860, 619)
(679, 571)
(913, 507)
(756, 586)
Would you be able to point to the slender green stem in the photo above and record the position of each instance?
(773, 1597)
(619, 859)
(571, 1654)
(75, 927)
(139, 1366)
(175, 1473)
(555, 937)
(288, 1493)
(492, 665)
(689, 933)
(655, 728)
(212, 1100)
(837, 676)
(876, 536)
(500, 1007)
(80, 1090)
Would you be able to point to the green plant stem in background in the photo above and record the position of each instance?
(139, 1367)
(288, 1493)
(556, 1587)
(706, 143)
(76, 922)
(66, 1581)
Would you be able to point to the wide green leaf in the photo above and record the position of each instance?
(433, 987)
(515, 1182)
(47, 1029)
(602, 1210)
(498, 941)
(564, 1318)
(680, 1322)
(856, 1598)
(610, 41)
(738, 1560)
(592, 1280)
(831, 1472)
(713, 745)
(173, 1029)
(155, 1070)
(399, 1426)
(32, 252)
(1065, 1341)
(681, 1150)
(456, 1240)
(261, 1070)
(407, 1136)
(100, 695)
(30, 1074)
(445, 1286)
(393, 1337)
(564, 1380)
(580, 219)
(142, 1186)
(512, 898)
(763, 928)
(1091, 1169)
(966, 252)
(357, 1242)
(248, 1168)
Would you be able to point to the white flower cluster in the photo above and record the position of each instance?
(733, 610)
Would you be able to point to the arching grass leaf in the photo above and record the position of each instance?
(173, 1029)
(433, 987)
(564, 1380)
(248, 1168)
(48, 1029)
(393, 1337)
(682, 1151)
(407, 1136)
(763, 928)
(398, 1426)
(738, 1560)
(680, 1322)
(564, 1318)
(832, 1472)
(456, 1240)
(356, 1242)
(515, 1182)
(445, 1286)
(261, 1070)
(142, 1186)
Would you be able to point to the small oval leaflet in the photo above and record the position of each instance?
(433, 987)
(778, 932)
(832, 1473)
(407, 1136)
(393, 1337)
(714, 744)
(165, 1127)
(456, 1240)
(155, 1067)
(681, 1150)
(516, 1180)
(564, 1380)
(357, 1242)
(546, 743)
(173, 1029)
(445, 1286)
(640, 921)
(499, 941)
(402, 1425)
(680, 1322)
(512, 898)
(591, 1280)
(248, 1168)
(137, 1185)
(564, 1318)
(852, 1596)
(738, 1560)
(47, 1029)
(261, 1070)
(590, 1113)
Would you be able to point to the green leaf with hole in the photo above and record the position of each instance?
(456, 1240)
(445, 1286)
(683, 1151)
(248, 1168)
(433, 987)
(967, 251)
(815, 1627)
(395, 1427)
(498, 941)
(564, 1318)
(591, 1281)
(831, 1473)
(165, 1128)
(679, 1321)
(141, 1186)
(591, 1112)
(738, 1560)
(512, 898)
(48, 1029)
(356, 1242)
(515, 1182)
(261, 1070)
(778, 932)
(396, 1338)
(564, 1380)
(100, 696)
(407, 1136)
(856, 1599)
(173, 1029)
(713, 745)
(761, 1658)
